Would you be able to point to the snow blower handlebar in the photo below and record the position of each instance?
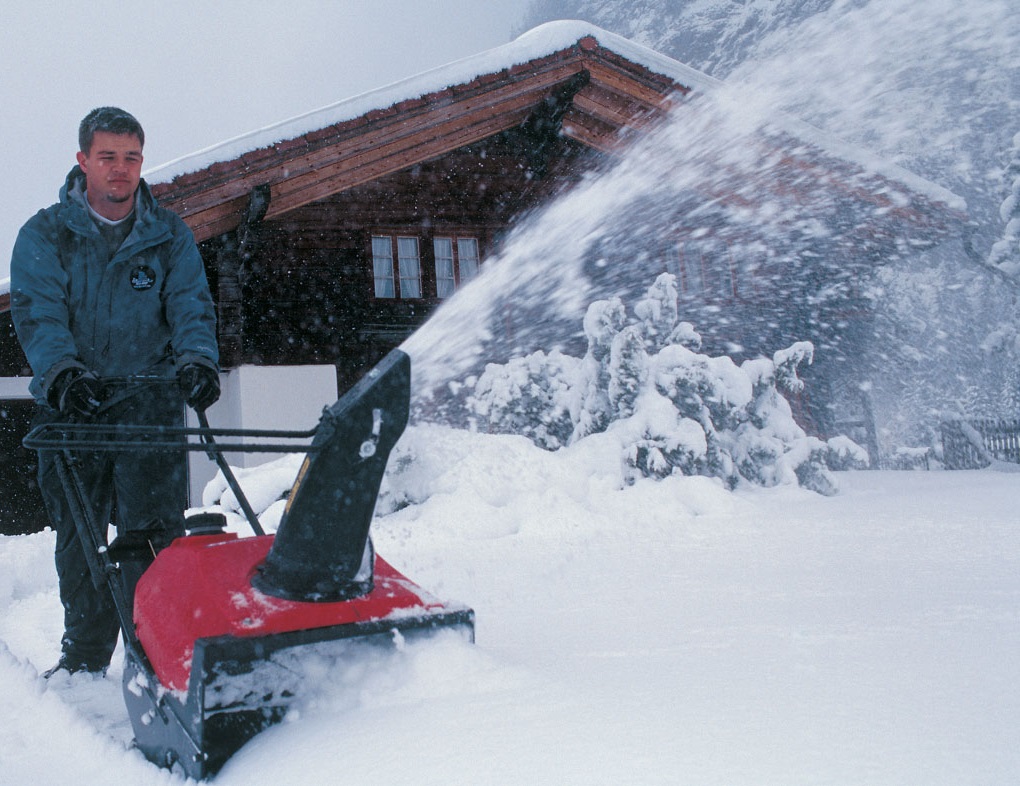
(322, 538)
(83, 436)
(217, 456)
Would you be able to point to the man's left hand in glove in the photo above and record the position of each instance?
(200, 385)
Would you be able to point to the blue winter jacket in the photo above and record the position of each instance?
(147, 311)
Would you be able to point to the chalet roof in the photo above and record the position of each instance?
(608, 82)
(518, 56)
(310, 157)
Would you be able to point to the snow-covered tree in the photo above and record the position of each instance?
(1005, 253)
(529, 395)
(669, 408)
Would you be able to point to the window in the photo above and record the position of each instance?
(456, 263)
(445, 281)
(382, 265)
(706, 269)
(408, 267)
(467, 250)
(687, 264)
(719, 259)
(397, 265)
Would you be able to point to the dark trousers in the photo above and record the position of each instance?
(143, 492)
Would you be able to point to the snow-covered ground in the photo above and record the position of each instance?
(669, 632)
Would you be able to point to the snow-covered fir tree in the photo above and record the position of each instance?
(643, 387)
(1005, 253)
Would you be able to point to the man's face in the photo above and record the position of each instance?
(113, 168)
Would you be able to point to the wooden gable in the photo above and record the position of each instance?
(305, 290)
(588, 91)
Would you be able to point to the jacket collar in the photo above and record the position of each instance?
(72, 200)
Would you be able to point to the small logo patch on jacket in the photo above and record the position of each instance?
(143, 277)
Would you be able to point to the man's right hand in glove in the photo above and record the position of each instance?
(79, 393)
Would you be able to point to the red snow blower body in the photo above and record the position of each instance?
(223, 626)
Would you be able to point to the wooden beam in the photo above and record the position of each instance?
(615, 114)
(626, 84)
(417, 143)
(352, 172)
(348, 174)
(593, 132)
(299, 156)
(225, 218)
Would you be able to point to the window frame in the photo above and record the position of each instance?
(382, 268)
(707, 270)
(409, 274)
(401, 269)
(457, 242)
(390, 271)
(446, 280)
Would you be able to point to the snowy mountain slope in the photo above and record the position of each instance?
(712, 35)
(664, 633)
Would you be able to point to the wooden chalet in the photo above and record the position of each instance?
(332, 245)
(329, 238)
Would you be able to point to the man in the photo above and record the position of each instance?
(109, 299)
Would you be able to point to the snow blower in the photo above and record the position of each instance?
(222, 625)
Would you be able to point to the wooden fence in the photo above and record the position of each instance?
(969, 444)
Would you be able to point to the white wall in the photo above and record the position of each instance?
(14, 387)
(263, 397)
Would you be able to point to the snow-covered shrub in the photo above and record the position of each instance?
(672, 409)
(529, 396)
(843, 453)
(628, 371)
(602, 322)
(657, 312)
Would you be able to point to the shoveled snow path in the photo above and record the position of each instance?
(669, 633)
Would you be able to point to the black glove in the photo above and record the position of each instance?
(79, 393)
(200, 385)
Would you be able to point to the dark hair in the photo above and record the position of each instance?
(107, 118)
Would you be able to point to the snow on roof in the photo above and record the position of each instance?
(539, 42)
(536, 43)
(871, 162)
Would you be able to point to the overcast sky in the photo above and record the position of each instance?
(198, 72)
